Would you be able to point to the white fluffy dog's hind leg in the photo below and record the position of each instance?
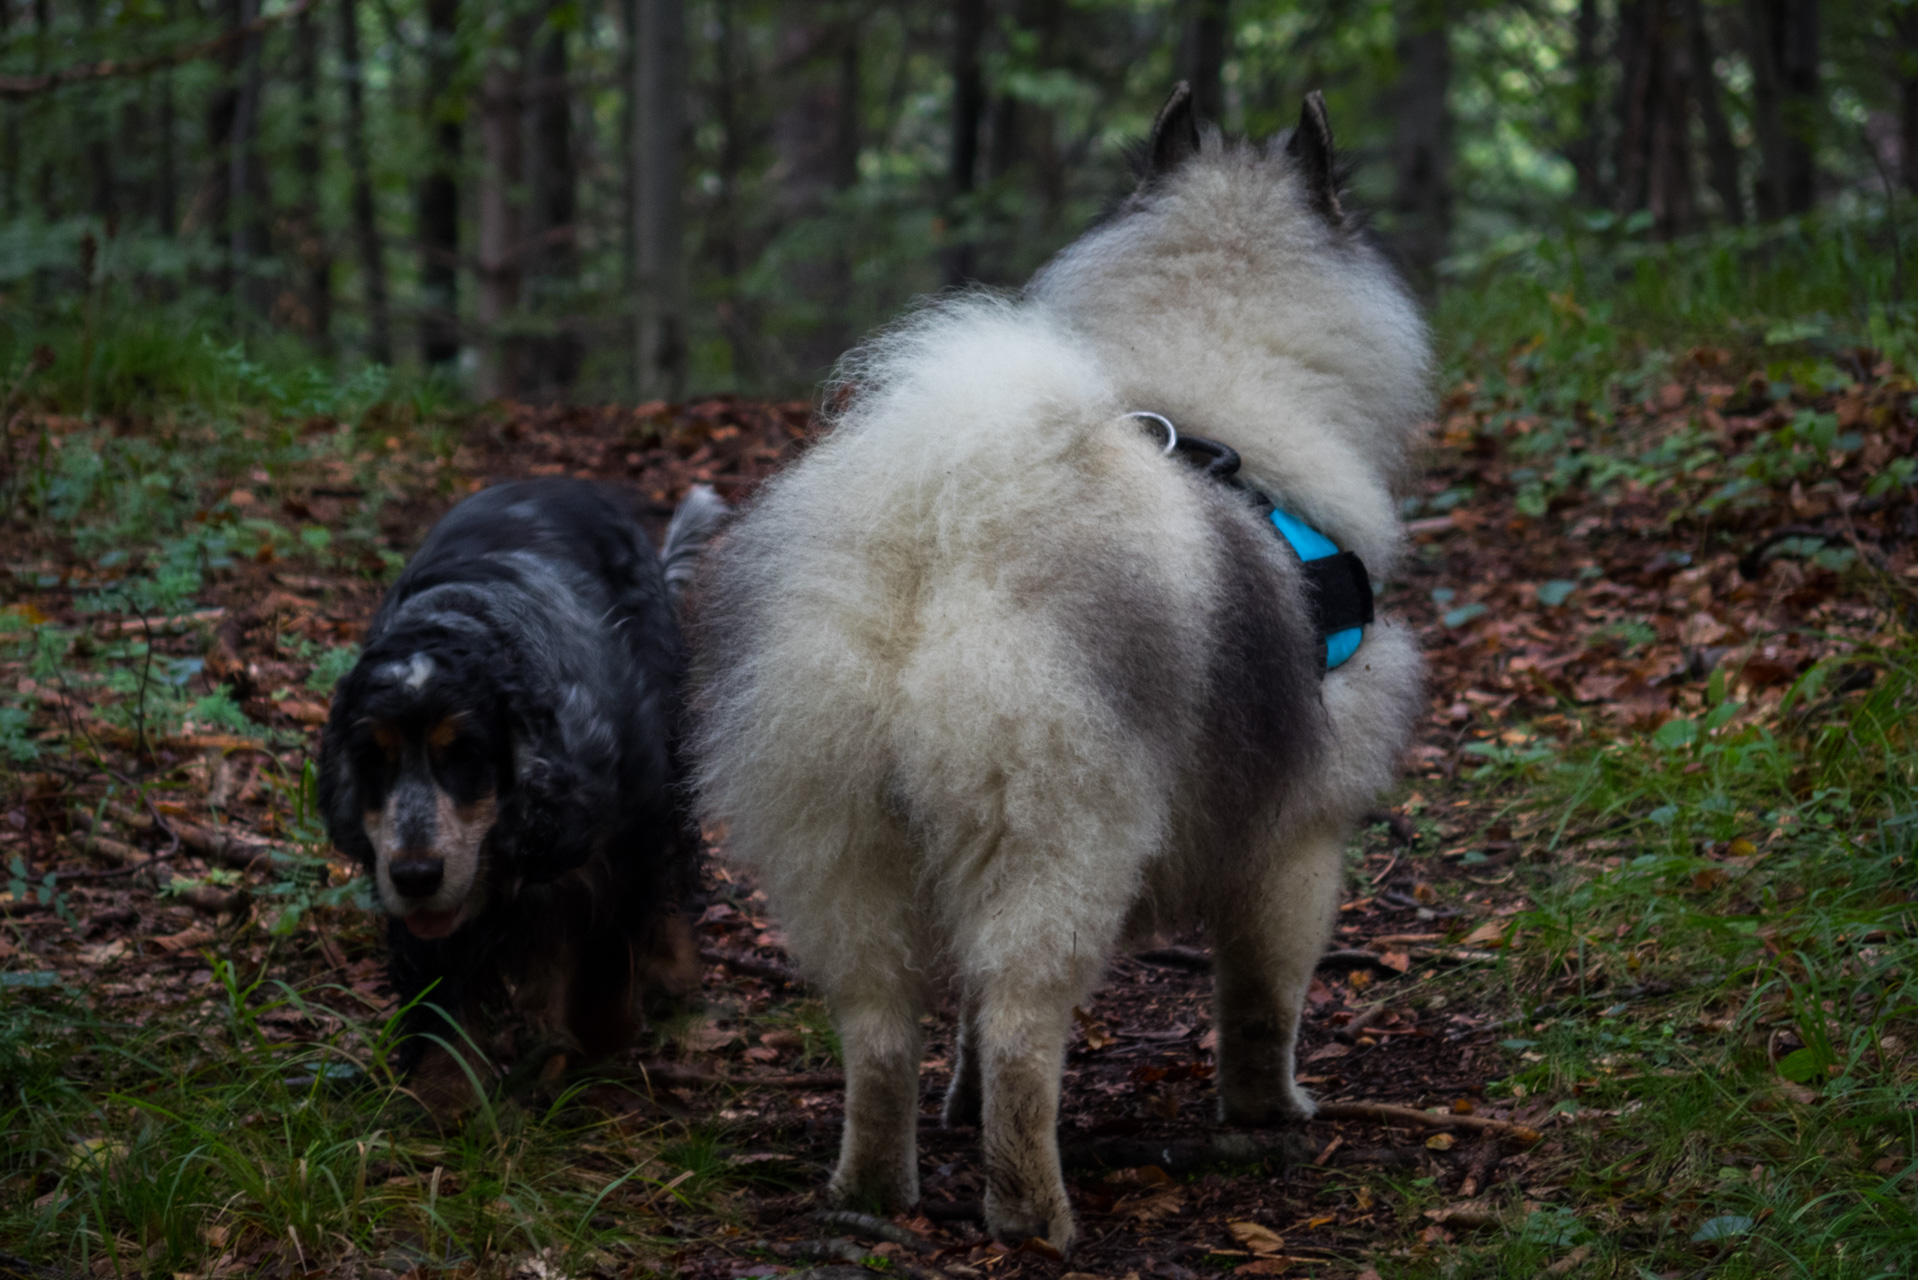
(1019, 1045)
(1266, 941)
(875, 984)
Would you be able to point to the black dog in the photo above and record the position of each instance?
(504, 762)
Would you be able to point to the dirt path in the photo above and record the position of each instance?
(1528, 620)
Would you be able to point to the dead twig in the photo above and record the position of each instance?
(1386, 1113)
(673, 1076)
(866, 1224)
(1192, 958)
(1364, 1018)
(1189, 1155)
(29, 86)
(752, 966)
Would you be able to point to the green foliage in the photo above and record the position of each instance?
(171, 1145)
(1761, 880)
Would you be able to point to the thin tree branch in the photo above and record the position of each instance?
(17, 87)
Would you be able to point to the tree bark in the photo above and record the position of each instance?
(725, 228)
(42, 42)
(1720, 148)
(166, 197)
(1584, 151)
(556, 352)
(314, 254)
(658, 102)
(968, 111)
(1782, 43)
(1908, 99)
(245, 210)
(1654, 166)
(98, 133)
(366, 228)
(10, 142)
(1422, 141)
(1202, 51)
(439, 192)
(501, 229)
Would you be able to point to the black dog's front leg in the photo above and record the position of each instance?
(435, 1053)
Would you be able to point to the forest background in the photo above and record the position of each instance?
(630, 199)
(1626, 980)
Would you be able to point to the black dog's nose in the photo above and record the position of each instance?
(417, 877)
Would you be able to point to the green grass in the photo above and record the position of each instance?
(210, 1133)
(1594, 300)
(1721, 972)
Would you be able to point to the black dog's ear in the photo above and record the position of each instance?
(339, 799)
(1175, 133)
(565, 764)
(1311, 147)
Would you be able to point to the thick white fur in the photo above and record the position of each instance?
(914, 635)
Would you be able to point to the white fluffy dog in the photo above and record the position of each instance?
(989, 681)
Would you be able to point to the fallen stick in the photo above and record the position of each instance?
(673, 1076)
(1189, 1155)
(752, 966)
(1386, 1113)
(871, 1225)
(1199, 962)
(1177, 958)
(1364, 1018)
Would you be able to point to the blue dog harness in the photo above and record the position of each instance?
(1341, 589)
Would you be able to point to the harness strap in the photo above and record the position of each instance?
(1341, 590)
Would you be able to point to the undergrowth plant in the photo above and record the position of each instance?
(1721, 970)
(214, 1138)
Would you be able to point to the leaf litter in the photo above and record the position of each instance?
(1746, 537)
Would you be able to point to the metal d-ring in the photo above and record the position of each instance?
(1171, 432)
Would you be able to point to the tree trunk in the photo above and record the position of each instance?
(658, 103)
(97, 130)
(1585, 148)
(245, 212)
(214, 202)
(1654, 164)
(501, 230)
(1720, 148)
(725, 228)
(1671, 193)
(439, 192)
(1908, 99)
(10, 143)
(166, 197)
(366, 227)
(1422, 141)
(557, 350)
(1782, 42)
(314, 254)
(968, 110)
(1202, 48)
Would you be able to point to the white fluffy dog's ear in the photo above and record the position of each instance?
(1175, 133)
(1310, 147)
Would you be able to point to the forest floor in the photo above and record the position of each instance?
(1621, 981)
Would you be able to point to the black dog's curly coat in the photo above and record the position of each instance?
(504, 762)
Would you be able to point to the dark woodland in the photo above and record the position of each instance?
(1625, 979)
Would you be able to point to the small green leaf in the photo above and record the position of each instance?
(1463, 614)
(1724, 1227)
(1556, 592)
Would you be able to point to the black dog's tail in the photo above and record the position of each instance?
(694, 523)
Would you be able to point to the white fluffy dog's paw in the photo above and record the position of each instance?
(1280, 1103)
(1017, 1220)
(872, 1191)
